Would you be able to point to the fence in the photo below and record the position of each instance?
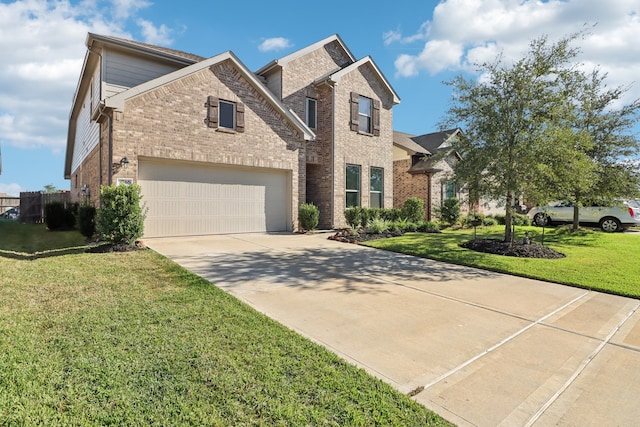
(32, 204)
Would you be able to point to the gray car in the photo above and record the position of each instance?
(609, 219)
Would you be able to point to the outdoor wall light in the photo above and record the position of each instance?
(122, 164)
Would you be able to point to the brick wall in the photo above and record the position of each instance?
(169, 123)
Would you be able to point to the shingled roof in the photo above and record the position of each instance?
(146, 47)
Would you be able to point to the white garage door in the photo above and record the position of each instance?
(191, 198)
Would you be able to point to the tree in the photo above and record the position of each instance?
(505, 116)
(607, 127)
(50, 189)
(543, 128)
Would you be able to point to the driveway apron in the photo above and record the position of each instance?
(477, 347)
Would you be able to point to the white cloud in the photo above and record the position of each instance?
(153, 34)
(42, 49)
(274, 44)
(11, 189)
(466, 32)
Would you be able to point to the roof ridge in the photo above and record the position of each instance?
(161, 49)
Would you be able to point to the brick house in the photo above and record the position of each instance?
(217, 148)
(423, 167)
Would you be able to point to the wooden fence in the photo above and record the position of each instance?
(32, 204)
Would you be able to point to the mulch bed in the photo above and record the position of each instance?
(491, 246)
(347, 236)
(121, 247)
(515, 249)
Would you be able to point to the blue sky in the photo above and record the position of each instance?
(417, 44)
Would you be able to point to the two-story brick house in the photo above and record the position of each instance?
(217, 148)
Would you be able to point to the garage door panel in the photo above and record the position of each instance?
(186, 199)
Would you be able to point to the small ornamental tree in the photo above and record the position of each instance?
(413, 209)
(120, 219)
(449, 212)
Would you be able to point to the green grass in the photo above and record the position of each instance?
(133, 339)
(607, 262)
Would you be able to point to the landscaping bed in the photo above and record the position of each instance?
(515, 249)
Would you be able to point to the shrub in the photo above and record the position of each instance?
(391, 214)
(499, 218)
(428, 227)
(378, 226)
(411, 227)
(309, 216)
(353, 215)
(474, 218)
(413, 209)
(488, 221)
(449, 212)
(520, 220)
(87, 220)
(120, 219)
(59, 217)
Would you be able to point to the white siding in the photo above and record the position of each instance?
(87, 131)
(122, 71)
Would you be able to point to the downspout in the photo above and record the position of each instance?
(429, 207)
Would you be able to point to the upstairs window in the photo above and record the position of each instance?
(365, 115)
(222, 114)
(376, 186)
(227, 118)
(312, 113)
(353, 185)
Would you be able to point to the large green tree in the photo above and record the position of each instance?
(537, 127)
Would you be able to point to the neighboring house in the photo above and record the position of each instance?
(217, 148)
(423, 167)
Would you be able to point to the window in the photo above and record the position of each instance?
(353, 185)
(312, 113)
(365, 115)
(376, 185)
(227, 115)
(450, 190)
(224, 114)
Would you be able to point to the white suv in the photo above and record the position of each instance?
(610, 219)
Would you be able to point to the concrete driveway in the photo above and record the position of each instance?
(479, 348)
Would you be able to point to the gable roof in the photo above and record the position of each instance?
(435, 141)
(405, 141)
(145, 48)
(192, 63)
(297, 54)
(117, 101)
(336, 76)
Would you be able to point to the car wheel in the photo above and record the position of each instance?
(610, 224)
(541, 219)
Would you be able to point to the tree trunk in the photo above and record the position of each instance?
(576, 217)
(508, 230)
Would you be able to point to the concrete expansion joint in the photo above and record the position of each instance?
(501, 343)
(581, 368)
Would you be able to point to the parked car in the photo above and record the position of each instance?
(609, 219)
(11, 213)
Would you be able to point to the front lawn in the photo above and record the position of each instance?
(608, 262)
(133, 339)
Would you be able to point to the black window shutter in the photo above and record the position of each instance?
(239, 117)
(376, 117)
(212, 111)
(355, 119)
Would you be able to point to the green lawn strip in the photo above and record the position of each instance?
(30, 239)
(133, 339)
(605, 262)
